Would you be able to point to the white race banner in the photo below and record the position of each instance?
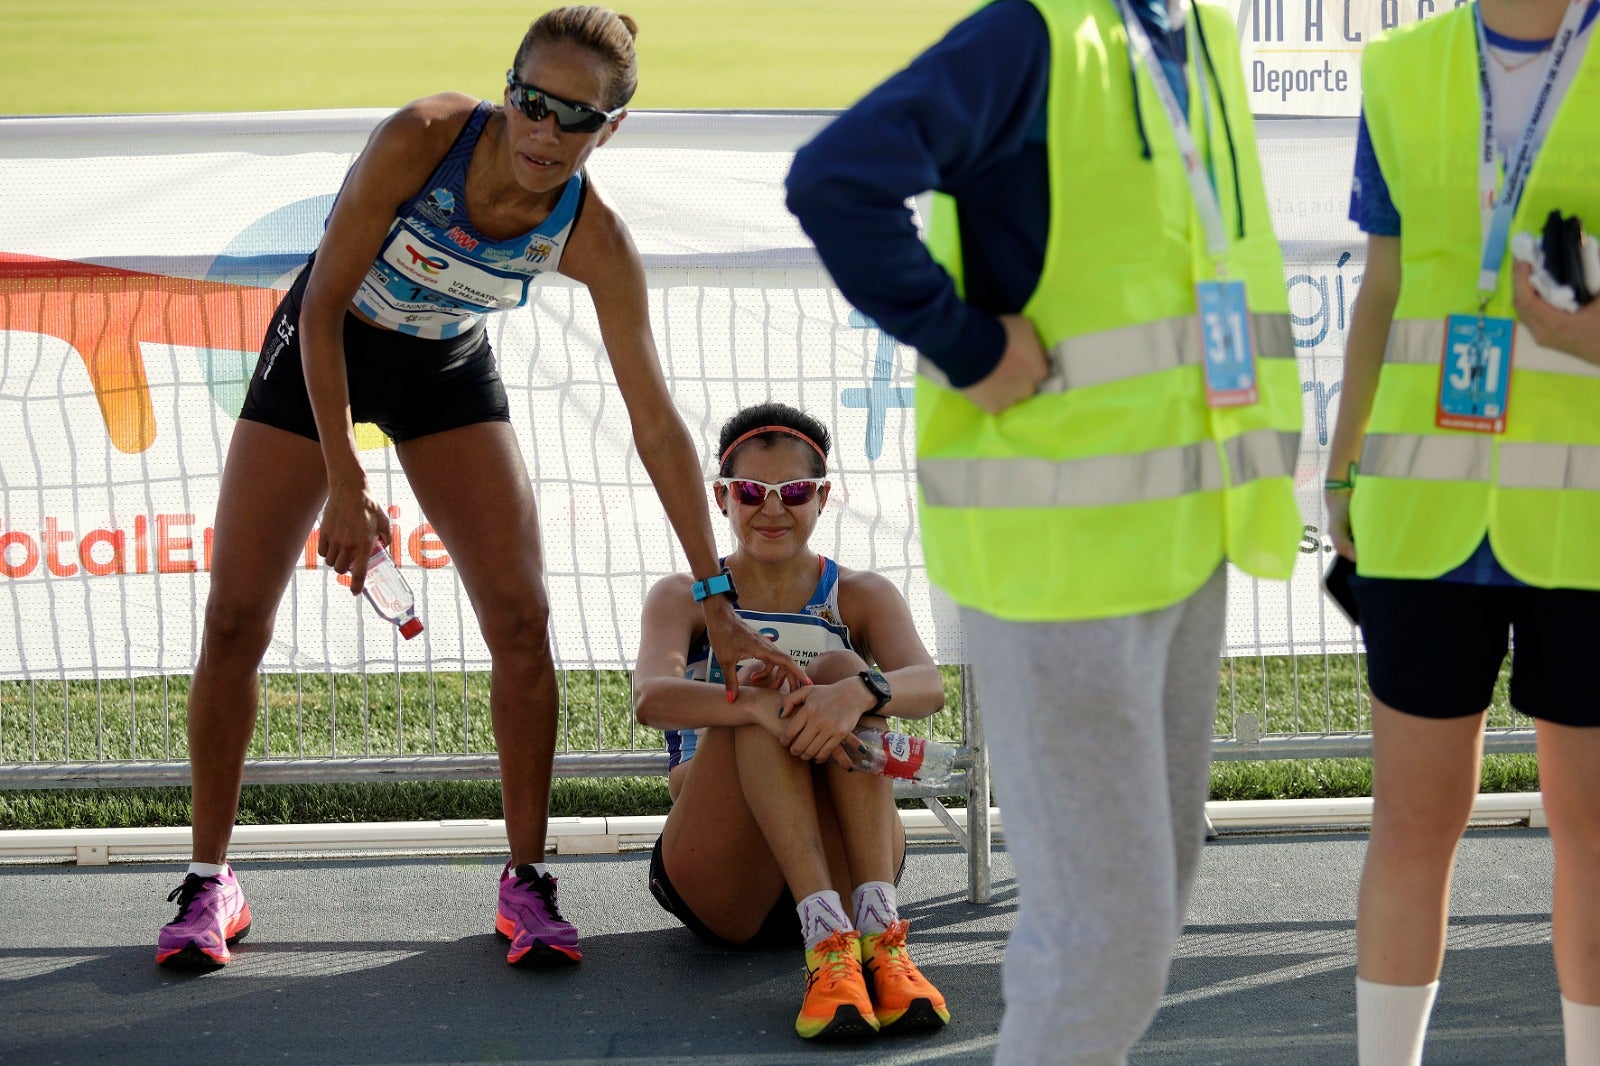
(136, 288)
(1303, 57)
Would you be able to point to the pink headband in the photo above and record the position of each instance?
(772, 429)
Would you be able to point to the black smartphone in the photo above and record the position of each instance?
(1337, 582)
(1562, 242)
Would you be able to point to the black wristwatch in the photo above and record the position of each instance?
(719, 584)
(878, 685)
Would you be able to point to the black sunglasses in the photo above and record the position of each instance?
(536, 104)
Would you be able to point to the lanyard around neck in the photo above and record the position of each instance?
(1497, 224)
(1194, 168)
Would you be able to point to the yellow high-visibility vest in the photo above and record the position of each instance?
(1425, 496)
(1117, 490)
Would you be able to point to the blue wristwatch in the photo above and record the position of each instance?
(715, 585)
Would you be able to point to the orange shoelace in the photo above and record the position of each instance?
(837, 960)
(890, 950)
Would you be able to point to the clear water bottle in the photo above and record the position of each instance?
(389, 594)
(928, 762)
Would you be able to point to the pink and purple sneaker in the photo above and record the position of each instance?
(212, 914)
(529, 917)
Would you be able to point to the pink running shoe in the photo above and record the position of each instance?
(212, 914)
(529, 917)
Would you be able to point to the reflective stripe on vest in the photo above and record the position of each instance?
(1549, 466)
(1522, 464)
(1421, 341)
(1107, 480)
(1111, 355)
(1430, 458)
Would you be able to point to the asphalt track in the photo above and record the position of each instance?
(392, 960)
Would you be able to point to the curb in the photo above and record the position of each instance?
(608, 836)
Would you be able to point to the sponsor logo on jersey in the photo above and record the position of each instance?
(437, 207)
(428, 264)
(457, 234)
(539, 249)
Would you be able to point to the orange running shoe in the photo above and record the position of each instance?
(836, 1003)
(904, 998)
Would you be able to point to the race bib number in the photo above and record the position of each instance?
(802, 636)
(1225, 334)
(1475, 375)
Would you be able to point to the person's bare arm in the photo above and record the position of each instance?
(663, 697)
(602, 256)
(1363, 361)
(821, 716)
(398, 158)
(881, 622)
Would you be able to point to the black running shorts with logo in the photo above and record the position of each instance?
(407, 386)
(1434, 648)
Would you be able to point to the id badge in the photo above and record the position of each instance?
(1475, 376)
(1230, 360)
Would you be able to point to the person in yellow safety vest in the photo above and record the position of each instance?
(1465, 480)
(1108, 409)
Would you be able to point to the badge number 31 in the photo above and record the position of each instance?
(1475, 380)
(1225, 334)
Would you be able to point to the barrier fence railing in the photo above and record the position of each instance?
(134, 296)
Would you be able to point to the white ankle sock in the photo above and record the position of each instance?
(207, 869)
(875, 905)
(821, 915)
(1582, 1024)
(1392, 1022)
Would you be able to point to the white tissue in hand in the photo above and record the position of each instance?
(1527, 248)
(1556, 295)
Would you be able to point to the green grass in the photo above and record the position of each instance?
(412, 801)
(1340, 778)
(309, 716)
(100, 56)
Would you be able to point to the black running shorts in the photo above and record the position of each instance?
(780, 929)
(407, 386)
(1434, 648)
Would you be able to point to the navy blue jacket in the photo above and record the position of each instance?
(967, 117)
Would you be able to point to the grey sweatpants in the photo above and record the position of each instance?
(1100, 739)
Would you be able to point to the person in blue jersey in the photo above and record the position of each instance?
(771, 830)
(1472, 532)
(452, 209)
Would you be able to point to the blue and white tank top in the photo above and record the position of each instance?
(804, 634)
(436, 275)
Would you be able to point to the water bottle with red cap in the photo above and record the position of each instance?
(390, 596)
